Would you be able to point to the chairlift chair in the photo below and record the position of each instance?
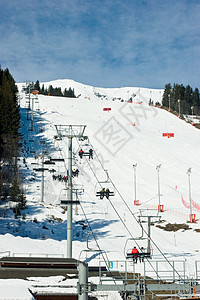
(142, 253)
(86, 152)
(63, 198)
(104, 188)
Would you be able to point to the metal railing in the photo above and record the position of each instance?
(37, 255)
(156, 270)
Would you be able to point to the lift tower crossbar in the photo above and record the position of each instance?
(70, 131)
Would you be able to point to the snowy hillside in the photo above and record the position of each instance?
(128, 134)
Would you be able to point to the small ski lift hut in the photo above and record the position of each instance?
(104, 188)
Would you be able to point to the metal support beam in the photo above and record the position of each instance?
(83, 281)
(70, 131)
(42, 179)
(69, 198)
(149, 235)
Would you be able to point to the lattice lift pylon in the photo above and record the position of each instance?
(70, 131)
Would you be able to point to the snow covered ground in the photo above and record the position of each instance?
(128, 134)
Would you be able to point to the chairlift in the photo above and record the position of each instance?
(88, 152)
(104, 188)
(86, 144)
(56, 159)
(144, 252)
(78, 190)
(58, 137)
(82, 138)
(63, 198)
(96, 252)
(49, 162)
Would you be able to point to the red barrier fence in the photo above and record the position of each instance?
(168, 134)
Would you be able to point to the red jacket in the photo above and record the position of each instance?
(134, 250)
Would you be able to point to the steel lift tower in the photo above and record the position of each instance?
(70, 131)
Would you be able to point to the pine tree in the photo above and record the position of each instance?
(9, 129)
(166, 95)
(189, 99)
(196, 101)
(37, 86)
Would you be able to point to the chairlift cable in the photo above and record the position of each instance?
(122, 220)
(116, 209)
(106, 260)
(137, 220)
(131, 214)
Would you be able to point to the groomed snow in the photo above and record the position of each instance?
(129, 133)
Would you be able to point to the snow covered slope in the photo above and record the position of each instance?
(129, 133)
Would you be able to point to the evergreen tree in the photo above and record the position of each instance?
(196, 101)
(42, 90)
(50, 90)
(37, 86)
(189, 99)
(9, 128)
(166, 95)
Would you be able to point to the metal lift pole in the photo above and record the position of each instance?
(158, 170)
(69, 198)
(29, 96)
(70, 131)
(83, 281)
(134, 168)
(42, 180)
(32, 114)
(149, 235)
(29, 105)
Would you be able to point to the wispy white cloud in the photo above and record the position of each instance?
(108, 43)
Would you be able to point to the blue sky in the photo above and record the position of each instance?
(107, 43)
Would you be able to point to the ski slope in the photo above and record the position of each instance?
(130, 133)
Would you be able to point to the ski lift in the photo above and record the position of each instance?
(88, 153)
(104, 188)
(144, 252)
(94, 253)
(58, 136)
(63, 198)
(82, 138)
(49, 162)
(56, 159)
(86, 143)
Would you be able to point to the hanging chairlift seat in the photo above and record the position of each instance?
(57, 159)
(104, 188)
(144, 252)
(49, 162)
(104, 193)
(89, 153)
(66, 202)
(140, 255)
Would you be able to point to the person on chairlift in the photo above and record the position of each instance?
(135, 257)
(102, 193)
(81, 153)
(107, 193)
(90, 154)
(141, 258)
